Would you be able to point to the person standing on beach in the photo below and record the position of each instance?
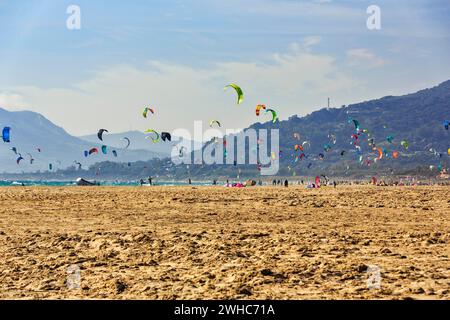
(286, 183)
(189, 181)
(150, 181)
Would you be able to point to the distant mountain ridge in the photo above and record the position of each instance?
(31, 130)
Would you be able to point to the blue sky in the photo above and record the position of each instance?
(177, 55)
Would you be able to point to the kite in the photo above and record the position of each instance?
(361, 159)
(446, 124)
(298, 147)
(31, 158)
(166, 136)
(146, 110)
(274, 115)
(181, 152)
(404, 144)
(214, 122)
(104, 149)
(100, 133)
(342, 153)
(128, 142)
(356, 123)
(14, 149)
(332, 137)
(306, 143)
(79, 164)
(296, 136)
(238, 90)
(6, 134)
(114, 152)
(395, 154)
(380, 154)
(93, 150)
(258, 109)
(50, 166)
(86, 153)
(326, 147)
(389, 139)
(152, 131)
(19, 159)
(448, 151)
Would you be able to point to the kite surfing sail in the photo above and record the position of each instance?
(100, 133)
(212, 122)
(146, 111)
(258, 109)
(128, 142)
(165, 136)
(156, 139)
(274, 115)
(6, 134)
(238, 90)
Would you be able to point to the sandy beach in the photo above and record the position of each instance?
(219, 243)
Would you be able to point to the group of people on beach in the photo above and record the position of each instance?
(311, 184)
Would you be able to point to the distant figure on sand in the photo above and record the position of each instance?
(141, 182)
(150, 180)
(286, 183)
(274, 182)
(334, 184)
(189, 181)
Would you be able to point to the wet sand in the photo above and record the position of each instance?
(219, 243)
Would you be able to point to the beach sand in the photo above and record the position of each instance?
(218, 243)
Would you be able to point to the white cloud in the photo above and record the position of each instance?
(296, 82)
(13, 101)
(362, 56)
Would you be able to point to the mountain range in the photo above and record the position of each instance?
(31, 132)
